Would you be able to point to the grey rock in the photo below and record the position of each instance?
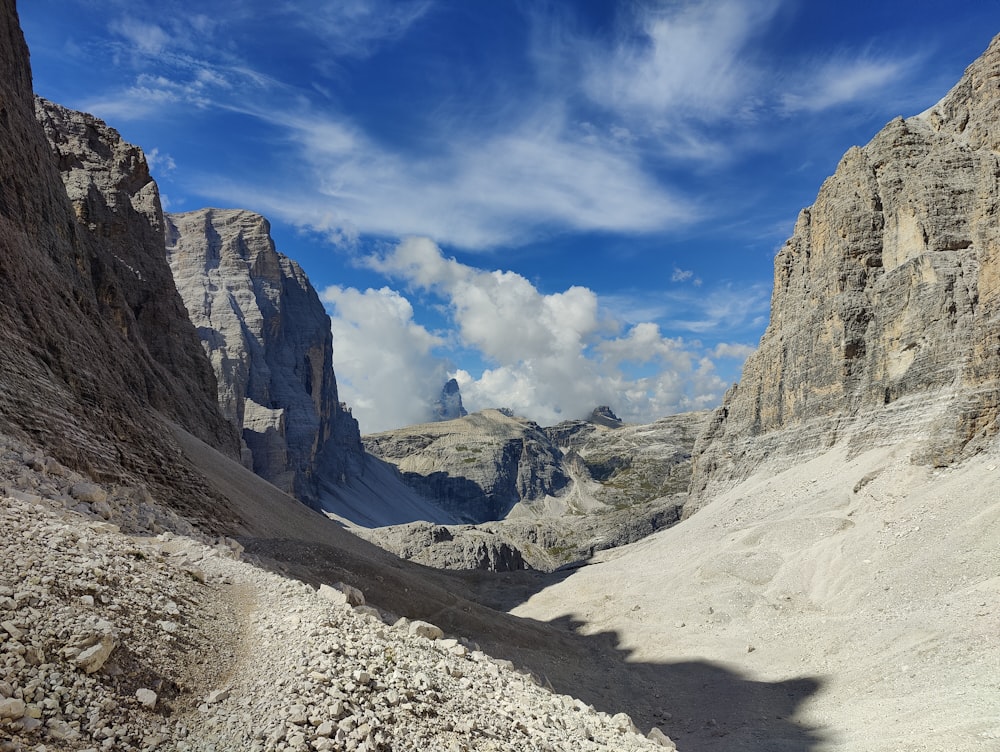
(116, 205)
(884, 310)
(477, 467)
(268, 338)
(11, 708)
(449, 404)
(93, 658)
(88, 492)
(423, 629)
(626, 483)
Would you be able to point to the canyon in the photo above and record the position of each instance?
(810, 566)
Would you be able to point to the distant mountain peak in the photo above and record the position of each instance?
(449, 404)
(605, 416)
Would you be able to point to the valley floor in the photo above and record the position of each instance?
(857, 598)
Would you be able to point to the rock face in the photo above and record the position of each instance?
(83, 372)
(477, 467)
(115, 199)
(268, 339)
(622, 484)
(449, 405)
(885, 316)
(632, 464)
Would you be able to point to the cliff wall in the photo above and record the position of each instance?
(885, 315)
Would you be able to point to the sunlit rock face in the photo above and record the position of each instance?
(885, 315)
(477, 467)
(268, 339)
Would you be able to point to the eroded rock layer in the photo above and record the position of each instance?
(477, 467)
(268, 339)
(885, 315)
(82, 373)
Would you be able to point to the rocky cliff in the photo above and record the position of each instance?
(619, 484)
(268, 339)
(885, 316)
(85, 372)
(477, 467)
(449, 403)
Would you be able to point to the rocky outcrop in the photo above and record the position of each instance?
(885, 315)
(452, 547)
(268, 339)
(114, 197)
(623, 484)
(83, 372)
(449, 404)
(477, 467)
(630, 464)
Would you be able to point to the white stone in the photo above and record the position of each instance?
(146, 697)
(423, 629)
(11, 708)
(658, 737)
(93, 658)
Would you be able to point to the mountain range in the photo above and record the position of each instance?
(810, 566)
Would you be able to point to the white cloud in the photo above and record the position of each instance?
(554, 356)
(683, 61)
(160, 162)
(733, 350)
(668, 85)
(480, 191)
(681, 275)
(385, 363)
(843, 80)
(357, 27)
(148, 38)
(726, 307)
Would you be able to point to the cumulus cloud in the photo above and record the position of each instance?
(555, 356)
(733, 350)
(386, 367)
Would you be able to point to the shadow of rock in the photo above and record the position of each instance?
(703, 706)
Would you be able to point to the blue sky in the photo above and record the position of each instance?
(562, 204)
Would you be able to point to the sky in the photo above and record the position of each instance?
(561, 203)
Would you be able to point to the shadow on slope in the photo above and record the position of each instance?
(361, 498)
(705, 707)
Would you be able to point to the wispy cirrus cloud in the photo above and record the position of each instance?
(844, 79)
(682, 62)
(673, 83)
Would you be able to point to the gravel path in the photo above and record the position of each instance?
(159, 641)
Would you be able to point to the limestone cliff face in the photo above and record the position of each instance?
(625, 465)
(885, 316)
(113, 196)
(268, 339)
(81, 374)
(477, 467)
